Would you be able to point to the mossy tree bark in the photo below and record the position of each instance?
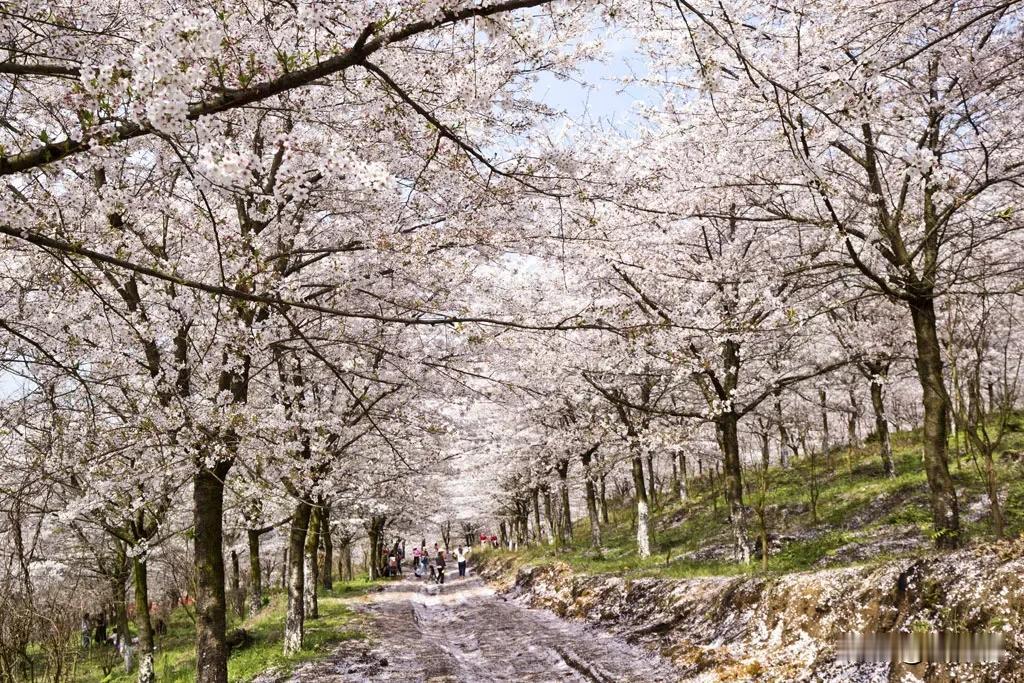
(119, 572)
(942, 493)
(643, 510)
(143, 622)
(728, 434)
(210, 605)
(295, 612)
(345, 562)
(255, 572)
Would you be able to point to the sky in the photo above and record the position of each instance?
(11, 386)
(596, 95)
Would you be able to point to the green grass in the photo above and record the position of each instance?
(175, 657)
(854, 487)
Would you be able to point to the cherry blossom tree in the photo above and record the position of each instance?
(891, 130)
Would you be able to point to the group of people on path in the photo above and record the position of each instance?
(426, 564)
(94, 629)
(95, 633)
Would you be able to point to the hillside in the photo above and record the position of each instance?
(859, 516)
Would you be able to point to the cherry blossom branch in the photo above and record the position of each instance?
(40, 70)
(432, 319)
(446, 132)
(234, 99)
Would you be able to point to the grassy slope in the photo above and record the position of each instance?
(856, 502)
(175, 657)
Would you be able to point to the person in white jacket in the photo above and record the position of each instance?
(461, 556)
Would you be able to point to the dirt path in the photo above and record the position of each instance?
(463, 631)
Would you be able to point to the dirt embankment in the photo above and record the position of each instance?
(786, 628)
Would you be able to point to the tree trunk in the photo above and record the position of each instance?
(942, 493)
(550, 518)
(728, 428)
(375, 531)
(538, 530)
(284, 569)
(595, 522)
(652, 488)
(503, 538)
(853, 419)
(255, 572)
(143, 624)
(675, 476)
(311, 565)
(237, 598)
(210, 603)
(826, 441)
(684, 478)
(563, 490)
(766, 455)
(446, 534)
(346, 558)
(326, 571)
(604, 499)
(714, 488)
(295, 614)
(643, 529)
(882, 428)
(119, 578)
(783, 433)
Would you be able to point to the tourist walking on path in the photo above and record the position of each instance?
(396, 552)
(440, 566)
(392, 566)
(461, 555)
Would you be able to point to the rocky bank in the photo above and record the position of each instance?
(786, 628)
